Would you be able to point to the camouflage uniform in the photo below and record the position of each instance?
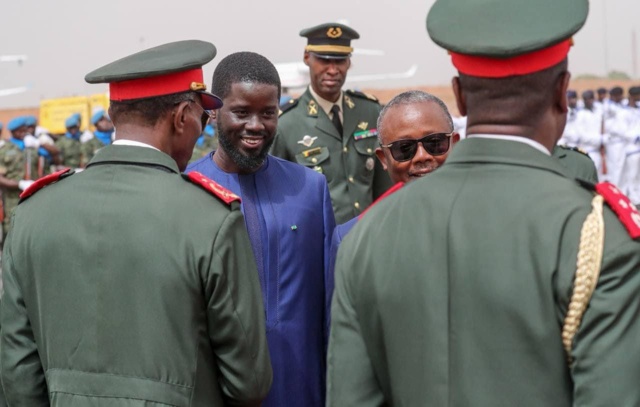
(307, 136)
(13, 165)
(70, 151)
(200, 150)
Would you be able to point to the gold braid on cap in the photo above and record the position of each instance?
(587, 273)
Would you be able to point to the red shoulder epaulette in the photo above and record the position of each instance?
(43, 182)
(622, 206)
(388, 192)
(213, 187)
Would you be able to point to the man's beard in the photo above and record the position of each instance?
(244, 162)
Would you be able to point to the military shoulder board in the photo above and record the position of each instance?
(285, 107)
(212, 187)
(44, 181)
(362, 95)
(578, 149)
(622, 206)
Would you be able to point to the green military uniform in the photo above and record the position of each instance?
(141, 290)
(341, 148)
(307, 136)
(13, 165)
(90, 148)
(473, 310)
(466, 287)
(577, 163)
(159, 243)
(70, 151)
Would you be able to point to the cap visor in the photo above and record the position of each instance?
(210, 101)
(330, 56)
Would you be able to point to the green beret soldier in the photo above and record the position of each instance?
(334, 131)
(141, 290)
(498, 280)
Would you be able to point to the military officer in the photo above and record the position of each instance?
(69, 145)
(334, 131)
(497, 280)
(139, 291)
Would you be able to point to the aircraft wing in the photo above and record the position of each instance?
(13, 91)
(383, 76)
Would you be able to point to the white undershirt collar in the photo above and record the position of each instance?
(518, 139)
(122, 142)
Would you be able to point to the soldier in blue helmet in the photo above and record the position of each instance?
(102, 136)
(69, 144)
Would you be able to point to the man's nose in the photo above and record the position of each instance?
(254, 123)
(422, 154)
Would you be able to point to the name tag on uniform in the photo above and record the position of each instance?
(359, 135)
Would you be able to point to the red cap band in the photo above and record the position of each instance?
(486, 67)
(155, 86)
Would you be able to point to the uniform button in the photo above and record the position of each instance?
(314, 160)
(356, 205)
(345, 150)
(351, 180)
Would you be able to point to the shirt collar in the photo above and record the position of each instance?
(518, 139)
(324, 103)
(124, 142)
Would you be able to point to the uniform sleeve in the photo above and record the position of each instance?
(606, 371)
(279, 147)
(236, 317)
(22, 374)
(350, 377)
(329, 227)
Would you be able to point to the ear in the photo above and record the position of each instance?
(455, 137)
(560, 94)
(382, 157)
(460, 101)
(110, 114)
(180, 116)
(305, 58)
(214, 114)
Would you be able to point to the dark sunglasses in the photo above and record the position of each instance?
(435, 144)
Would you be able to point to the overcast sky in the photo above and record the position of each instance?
(65, 39)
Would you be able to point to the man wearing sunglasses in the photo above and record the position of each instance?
(415, 132)
(498, 280)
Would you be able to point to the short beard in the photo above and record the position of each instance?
(245, 163)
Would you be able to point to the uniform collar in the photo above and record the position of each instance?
(518, 139)
(490, 150)
(118, 153)
(324, 103)
(123, 142)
